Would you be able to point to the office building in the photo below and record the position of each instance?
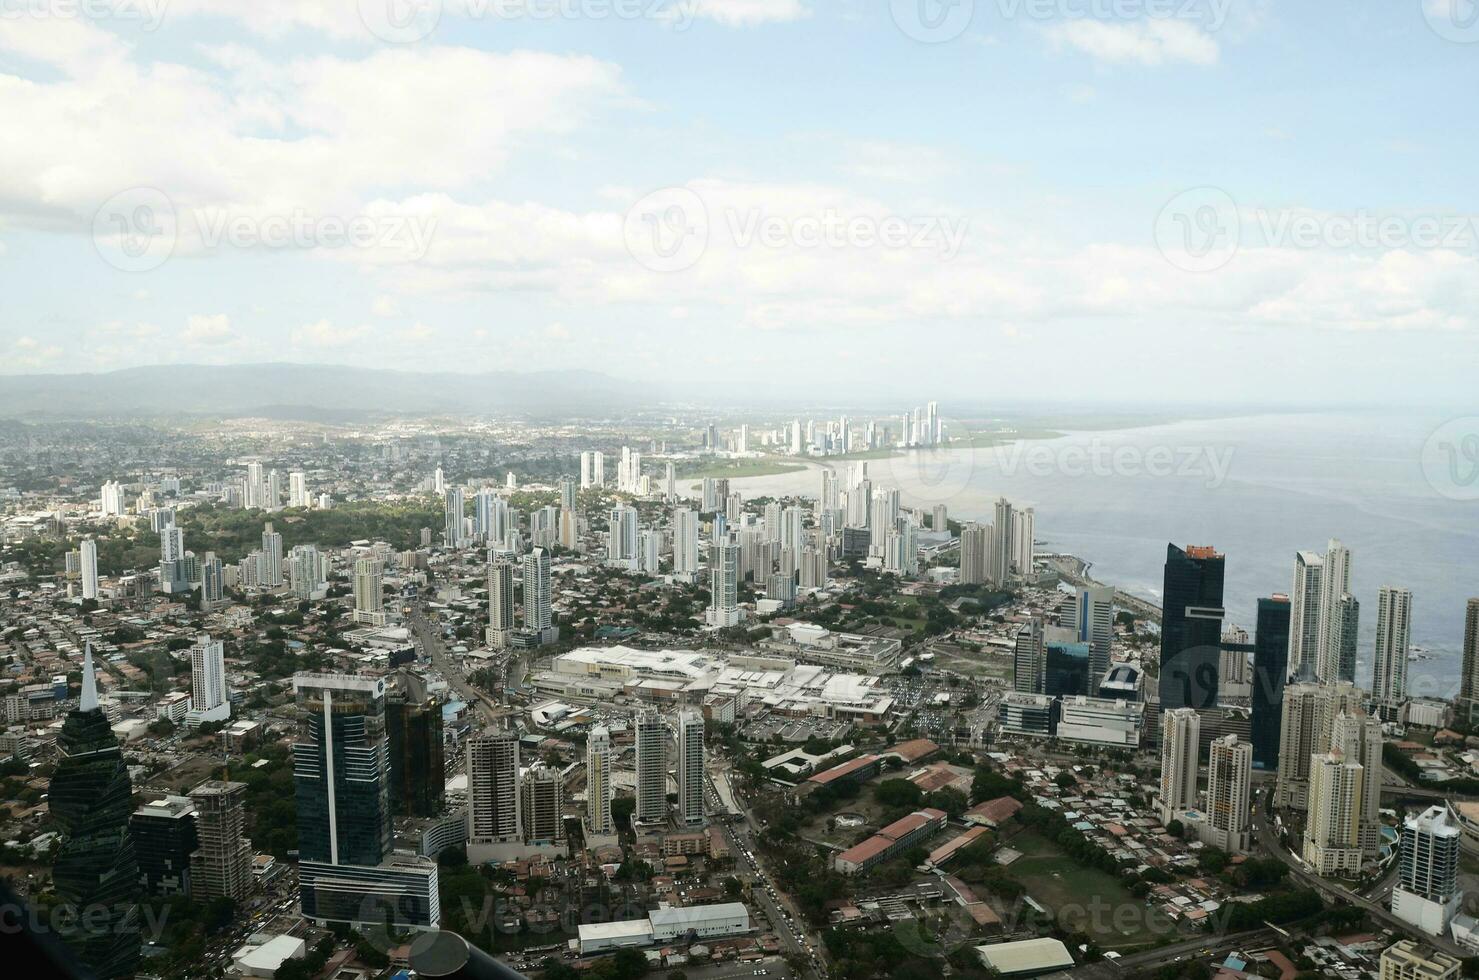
(1088, 611)
(163, 833)
(1393, 635)
(1344, 631)
(598, 782)
(1427, 895)
(1029, 661)
(212, 582)
(1029, 715)
(1191, 627)
(543, 801)
(414, 746)
(652, 768)
(369, 598)
(691, 772)
(90, 799)
(1229, 781)
(494, 815)
(1181, 730)
(1270, 671)
(210, 700)
(500, 603)
(222, 865)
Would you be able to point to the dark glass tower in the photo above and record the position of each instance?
(164, 838)
(1270, 670)
(1191, 628)
(340, 768)
(413, 730)
(95, 872)
(1067, 672)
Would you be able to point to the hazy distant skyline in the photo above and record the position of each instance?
(1045, 170)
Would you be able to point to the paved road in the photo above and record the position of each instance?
(1189, 950)
(428, 640)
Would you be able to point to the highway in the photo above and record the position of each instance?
(1175, 953)
(430, 643)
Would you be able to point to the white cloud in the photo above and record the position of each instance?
(28, 352)
(883, 160)
(1153, 41)
(324, 335)
(208, 331)
(741, 13)
(417, 333)
(385, 306)
(557, 331)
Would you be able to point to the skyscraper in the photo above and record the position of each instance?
(163, 833)
(1357, 736)
(298, 495)
(1344, 631)
(621, 537)
(1304, 620)
(1332, 842)
(652, 768)
(1393, 631)
(494, 814)
(271, 576)
(1191, 627)
(369, 598)
(538, 615)
(212, 581)
(1305, 730)
(95, 871)
(1427, 895)
(976, 561)
(1181, 730)
(723, 584)
(685, 543)
(1229, 780)
(89, 571)
(690, 767)
(1089, 612)
(543, 799)
(209, 698)
(1469, 682)
(1335, 582)
(1029, 662)
(454, 512)
(222, 866)
(413, 738)
(500, 603)
(598, 781)
(1270, 670)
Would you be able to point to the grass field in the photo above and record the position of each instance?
(1054, 880)
(736, 468)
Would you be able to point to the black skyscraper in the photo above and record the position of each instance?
(1270, 670)
(1191, 628)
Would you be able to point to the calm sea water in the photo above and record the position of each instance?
(1258, 488)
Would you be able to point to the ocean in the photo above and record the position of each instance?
(1399, 491)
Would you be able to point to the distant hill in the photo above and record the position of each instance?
(309, 391)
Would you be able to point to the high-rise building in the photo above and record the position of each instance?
(621, 537)
(212, 581)
(298, 495)
(94, 870)
(1181, 730)
(1393, 633)
(1357, 736)
(490, 517)
(723, 608)
(494, 815)
(1427, 895)
(271, 575)
(1305, 730)
(1335, 582)
(1229, 781)
(1304, 618)
(1191, 627)
(222, 866)
(1469, 683)
(274, 490)
(598, 782)
(538, 614)
(1344, 630)
(1270, 671)
(174, 576)
(114, 501)
(977, 564)
(307, 576)
(163, 833)
(500, 603)
(685, 544)
(1089, 612)
(89, 569)
(209, 698)
(543, 799)
(369, 598)
(1029, 662)
(1332, 842)
(691, 772)
(346, 872)
(256, 487)
(413, 739)
(454, 512)
(940, 519)
(652, 768)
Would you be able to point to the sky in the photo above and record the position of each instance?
(1149, 201)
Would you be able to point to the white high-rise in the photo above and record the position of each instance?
(622, 541)
(1304, 609)
(1335, 582)
(493, 812)
(598, 781)
(89, 570)
(209, 698)
(298, 495)
(537, 599)
(1427, 895)
(652, 768)
(271, 574)
(690, 767)
(1332, 836)
(114, 500)
(369, 600)
(1180, 730)
(452, 529)
(685, 543)
(723, 584)
(500, 603)
(1393, 637)
(1229, 781)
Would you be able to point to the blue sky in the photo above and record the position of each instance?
(1115, 200)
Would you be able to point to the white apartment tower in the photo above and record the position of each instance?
(723, 584)
(209, 698)
(685, 544)
(1332, 835)
(1427, 895)
(598, 781)
(369, 600)
(1180, 730)
(500, 603)
(1393, 636)
(1229, 781)
(537, 601)
(1304, 609)
(89, 570)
